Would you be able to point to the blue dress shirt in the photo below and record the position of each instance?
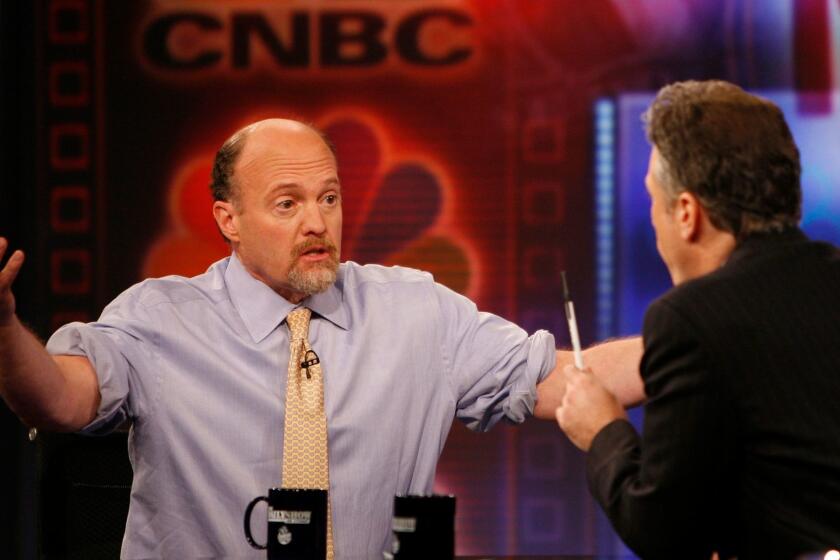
(199, 367)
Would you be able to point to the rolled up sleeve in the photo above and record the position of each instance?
(494, 365)
(117, 347)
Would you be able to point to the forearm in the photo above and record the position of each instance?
(615, 363)
(53, 393)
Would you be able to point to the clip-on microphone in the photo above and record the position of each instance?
(309, 361)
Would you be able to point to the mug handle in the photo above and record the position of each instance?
(247, 520)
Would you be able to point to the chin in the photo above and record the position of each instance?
(313, 281)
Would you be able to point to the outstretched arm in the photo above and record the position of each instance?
(53, 392)
(615, 363)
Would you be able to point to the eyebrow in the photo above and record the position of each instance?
(295, 186)
(281, 188)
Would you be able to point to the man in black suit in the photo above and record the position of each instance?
(740, 452)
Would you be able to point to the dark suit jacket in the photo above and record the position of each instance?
(740, 450)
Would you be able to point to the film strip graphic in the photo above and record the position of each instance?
(68, 159)
(547, 492)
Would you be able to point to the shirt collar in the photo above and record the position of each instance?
(262, 309)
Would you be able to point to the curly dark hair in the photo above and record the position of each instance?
(731, 149)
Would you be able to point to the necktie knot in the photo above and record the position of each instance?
(298, 322)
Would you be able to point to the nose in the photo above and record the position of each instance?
(313, 221)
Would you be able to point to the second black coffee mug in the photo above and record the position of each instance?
(424, 527)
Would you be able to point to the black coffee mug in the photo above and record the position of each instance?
(297, 524)
(424, 527)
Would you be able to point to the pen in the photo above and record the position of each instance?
(570, 317)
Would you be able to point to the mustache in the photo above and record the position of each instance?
(324, 243)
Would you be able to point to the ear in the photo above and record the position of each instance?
(225, 215)
(689, 216)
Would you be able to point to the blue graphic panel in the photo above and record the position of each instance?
(640, 276)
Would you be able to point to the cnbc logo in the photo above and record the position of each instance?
(227, 38)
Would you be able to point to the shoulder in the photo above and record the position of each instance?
(396, 280)
(706, 300)
(759, 273)
(357, 274)
(407, 291)
(701, 315)
(702, 312)
(173, 290)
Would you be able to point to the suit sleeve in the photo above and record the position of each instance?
(664, 491)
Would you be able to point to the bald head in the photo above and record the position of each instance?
(281, 134)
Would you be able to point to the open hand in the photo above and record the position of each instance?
(7, 276)
(587, 407)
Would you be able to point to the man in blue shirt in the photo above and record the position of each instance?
(198, 365)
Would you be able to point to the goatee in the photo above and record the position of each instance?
(314, 278)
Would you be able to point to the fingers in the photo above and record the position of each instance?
(581, 387)
(576, 378)
(13, 265)
(10, 271)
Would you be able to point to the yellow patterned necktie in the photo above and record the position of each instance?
(305, 455)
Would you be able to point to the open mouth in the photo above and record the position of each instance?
(315, 253)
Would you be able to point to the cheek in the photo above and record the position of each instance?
(656, 222)
(335, 229)
(654, 211)
(265, 229)
(273, 242)
(276, 257)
